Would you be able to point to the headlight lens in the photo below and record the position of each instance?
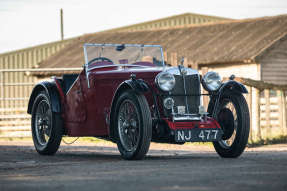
(165, 81)
(211, 81)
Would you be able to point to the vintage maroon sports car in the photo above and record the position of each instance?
(127, 93)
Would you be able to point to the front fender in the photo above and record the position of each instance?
(138, 85)
(230, 87)
(233, 86)
(51, 89)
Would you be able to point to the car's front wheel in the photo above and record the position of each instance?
(133, 125)
(233, 117)
(46, 126)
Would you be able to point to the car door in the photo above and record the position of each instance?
(75, 110)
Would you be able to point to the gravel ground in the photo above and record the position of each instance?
(98, 166)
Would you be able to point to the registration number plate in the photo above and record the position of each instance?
(198, 135)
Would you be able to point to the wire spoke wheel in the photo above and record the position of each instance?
(128, 125)
(43, 117)
(46, 125)
(132, 125)
(233, 118)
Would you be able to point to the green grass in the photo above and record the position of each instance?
(276, 140)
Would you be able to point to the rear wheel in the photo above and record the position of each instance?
(46, 126)
(133, 125)
(233, 117)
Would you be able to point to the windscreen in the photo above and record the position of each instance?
(144, 55)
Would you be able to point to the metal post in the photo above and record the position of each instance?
(62, 25)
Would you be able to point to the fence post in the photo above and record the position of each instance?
(194, 65)
(267, 113)
(280, 110)
(284, 112)
(173, 59)
(249, 101)
(257, 114)
(165, 57)
(2, 90)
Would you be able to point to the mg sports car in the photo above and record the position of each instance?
(128, 94)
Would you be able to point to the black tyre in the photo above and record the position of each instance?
(133, 125)
(47, 126)
(233, 117)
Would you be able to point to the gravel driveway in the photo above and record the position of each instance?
(167, 167)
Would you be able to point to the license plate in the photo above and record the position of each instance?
(198, 135)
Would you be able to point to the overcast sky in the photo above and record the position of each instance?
(25, 23)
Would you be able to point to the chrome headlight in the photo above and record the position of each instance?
(165, 81)
(211, 81)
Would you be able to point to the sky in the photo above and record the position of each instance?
(25, 23)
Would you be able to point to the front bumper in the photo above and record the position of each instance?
(207, 123)
(204, 130)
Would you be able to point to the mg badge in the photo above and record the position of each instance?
(181, 109)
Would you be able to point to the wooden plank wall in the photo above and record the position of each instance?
(274, 63)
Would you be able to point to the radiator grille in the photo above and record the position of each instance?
(192, 87)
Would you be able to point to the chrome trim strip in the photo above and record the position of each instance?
(187, 118)
(86, 65)
(201, 97)
(117, 65)
(162, 57)
(185, 97)
(127, 45)
(73, 84)
(175, 71)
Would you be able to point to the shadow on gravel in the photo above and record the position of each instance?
(91, 153)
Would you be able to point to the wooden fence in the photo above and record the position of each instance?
(15, 88)
(267, 106)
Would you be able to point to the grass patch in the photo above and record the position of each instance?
(276, 140)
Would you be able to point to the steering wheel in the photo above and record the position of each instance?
(100, 59)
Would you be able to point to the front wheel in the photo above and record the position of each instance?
(46, 126)
(133, 125)
(233, 117)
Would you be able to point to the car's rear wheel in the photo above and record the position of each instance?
(46, 126)
(233, 117)
(133, 125)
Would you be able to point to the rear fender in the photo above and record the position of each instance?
(51, 89)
